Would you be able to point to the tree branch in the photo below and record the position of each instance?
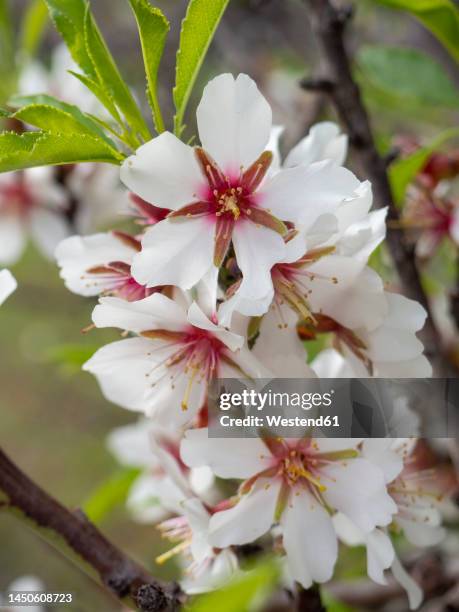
(328, 23)
(74, 535)
(308, 600)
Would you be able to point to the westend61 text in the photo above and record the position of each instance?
(271, 420)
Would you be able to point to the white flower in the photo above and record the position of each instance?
(154, 494)
(324, 141)
(30, 203)
(164, 371)
(417, 513)
(388, 349)
(8, 284)
(298, 483)
(100, 264)
(210, 568)
(222, 192)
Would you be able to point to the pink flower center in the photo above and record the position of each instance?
(230, 200)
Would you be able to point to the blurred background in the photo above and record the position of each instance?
(53, 418)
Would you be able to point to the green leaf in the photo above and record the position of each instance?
(100, 94)
(110, 79)
(32, 27)
(53, 115)
(110, 494)
(153, 28)
(408, 74)
(69, 17)
(198, 28)
(441, 17)
(403, 171)
(31, 149)
(243, 593)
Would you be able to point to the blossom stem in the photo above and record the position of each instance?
(79, 540)
(328, 22)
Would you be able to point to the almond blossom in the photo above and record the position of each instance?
(389, 348)
(154, 495)
(417, 516)
(209, 567)
(8, 285)
(31, 203)
(298, 483)
(164, 371)
(331, 251)
(100, 265)
(223, 193)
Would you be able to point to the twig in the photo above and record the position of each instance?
(328, 23)
(74, 535)
(308, 600)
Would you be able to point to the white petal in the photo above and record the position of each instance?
(197, 318)
(121, 369)
(234, 122)
(146, 501)
(8, 284)
(419, 367)
(421, 534)
(331, 364)
(164, 172)
(249, 519)
(153, 312)
(380, 555)
(309, 539)
(413, 590)
(302, 194)
(404, 313)
(357, 488)
(380, 451)
(217, 574)
(324, 141)
(175, 252)
(279, 348)
(77, 254)
(12, 239)
(257, 250)
(227, 457)
(131, 444)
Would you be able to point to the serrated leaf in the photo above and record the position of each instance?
(53, 115)
(441, 17)
(153, 28)
(68, 16)
(113, 492)
(110, 78)
(243, 593)
(198, 29)
(100, 94)
(32, 27)
(402, 172)
(407, 74)
(32, 149)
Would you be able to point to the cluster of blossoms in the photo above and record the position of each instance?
(231, 238)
